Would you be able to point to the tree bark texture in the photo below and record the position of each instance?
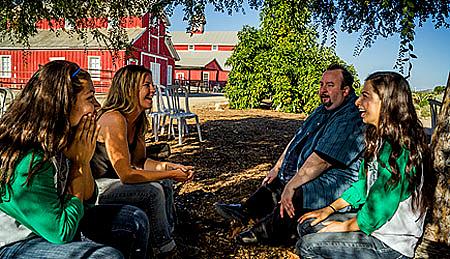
(436, 241)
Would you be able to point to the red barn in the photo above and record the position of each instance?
(203, 56)
(151, 46)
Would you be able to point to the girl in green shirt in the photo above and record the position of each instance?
(394, 188)
(47, 138)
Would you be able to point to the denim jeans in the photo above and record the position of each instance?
(103, 227)
(154, 198)
(340, 244)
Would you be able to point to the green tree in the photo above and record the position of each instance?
(372, 19)
(282, 61)
(439, 89)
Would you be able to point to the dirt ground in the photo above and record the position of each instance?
(239, 148)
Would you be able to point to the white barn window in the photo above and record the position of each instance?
(5, 66)
(94, 67)
(156, 72)
(169, 75)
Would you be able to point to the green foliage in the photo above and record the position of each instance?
(381, 18)
(281, 61)
(439, 89)
(19, 18)
(371, 19)
(421, 100)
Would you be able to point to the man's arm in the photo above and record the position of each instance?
(273, 173)
(311, 169)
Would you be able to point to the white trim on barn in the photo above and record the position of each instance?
(5, 66)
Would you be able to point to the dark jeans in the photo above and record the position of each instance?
(341, 244)
(154, 198)
(103, 227)
(262, 206)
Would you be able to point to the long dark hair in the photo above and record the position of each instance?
(123, 94)
(38, 118)
(401, 127)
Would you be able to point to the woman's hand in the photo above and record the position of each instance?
(319, 215)
(181, 176)
(187, 170)
(81, 149)
(173, 166)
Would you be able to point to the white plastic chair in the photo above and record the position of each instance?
(162, 112)
(181, 114)
(435, 107)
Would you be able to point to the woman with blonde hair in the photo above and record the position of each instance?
(126, 175)
(394, 189)
(47, 192)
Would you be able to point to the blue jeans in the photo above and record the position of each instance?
(154, 198)
(103, 227)
(340, 244)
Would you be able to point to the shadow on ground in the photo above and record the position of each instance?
(239, 149)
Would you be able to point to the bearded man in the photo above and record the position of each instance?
(318, 165)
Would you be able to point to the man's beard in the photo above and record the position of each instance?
(328, 103)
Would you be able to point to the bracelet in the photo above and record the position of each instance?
(334, 210)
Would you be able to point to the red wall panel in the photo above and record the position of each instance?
(213, 65)
(181, 47)
(197, 75)
(223, 75)
(131, 22)
(45, 25)
(202, 47)
(225, 48)
(25, 63)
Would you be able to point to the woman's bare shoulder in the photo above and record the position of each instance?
(112, 124)
(112, 118)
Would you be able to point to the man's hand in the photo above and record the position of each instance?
(286, 201)
(310, 170)
(273, 173)
(82, 147)
(319, 215)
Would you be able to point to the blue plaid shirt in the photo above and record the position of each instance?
(336, 136)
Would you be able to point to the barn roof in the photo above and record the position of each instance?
(47, 39)
(208, 37)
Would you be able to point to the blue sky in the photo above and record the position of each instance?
(432, 46)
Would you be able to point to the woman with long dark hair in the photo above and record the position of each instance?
(47, 192)
(126, 175)
(394, 189)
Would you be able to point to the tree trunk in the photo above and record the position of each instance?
(436, 242)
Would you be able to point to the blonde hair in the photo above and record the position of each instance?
(124, 91)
